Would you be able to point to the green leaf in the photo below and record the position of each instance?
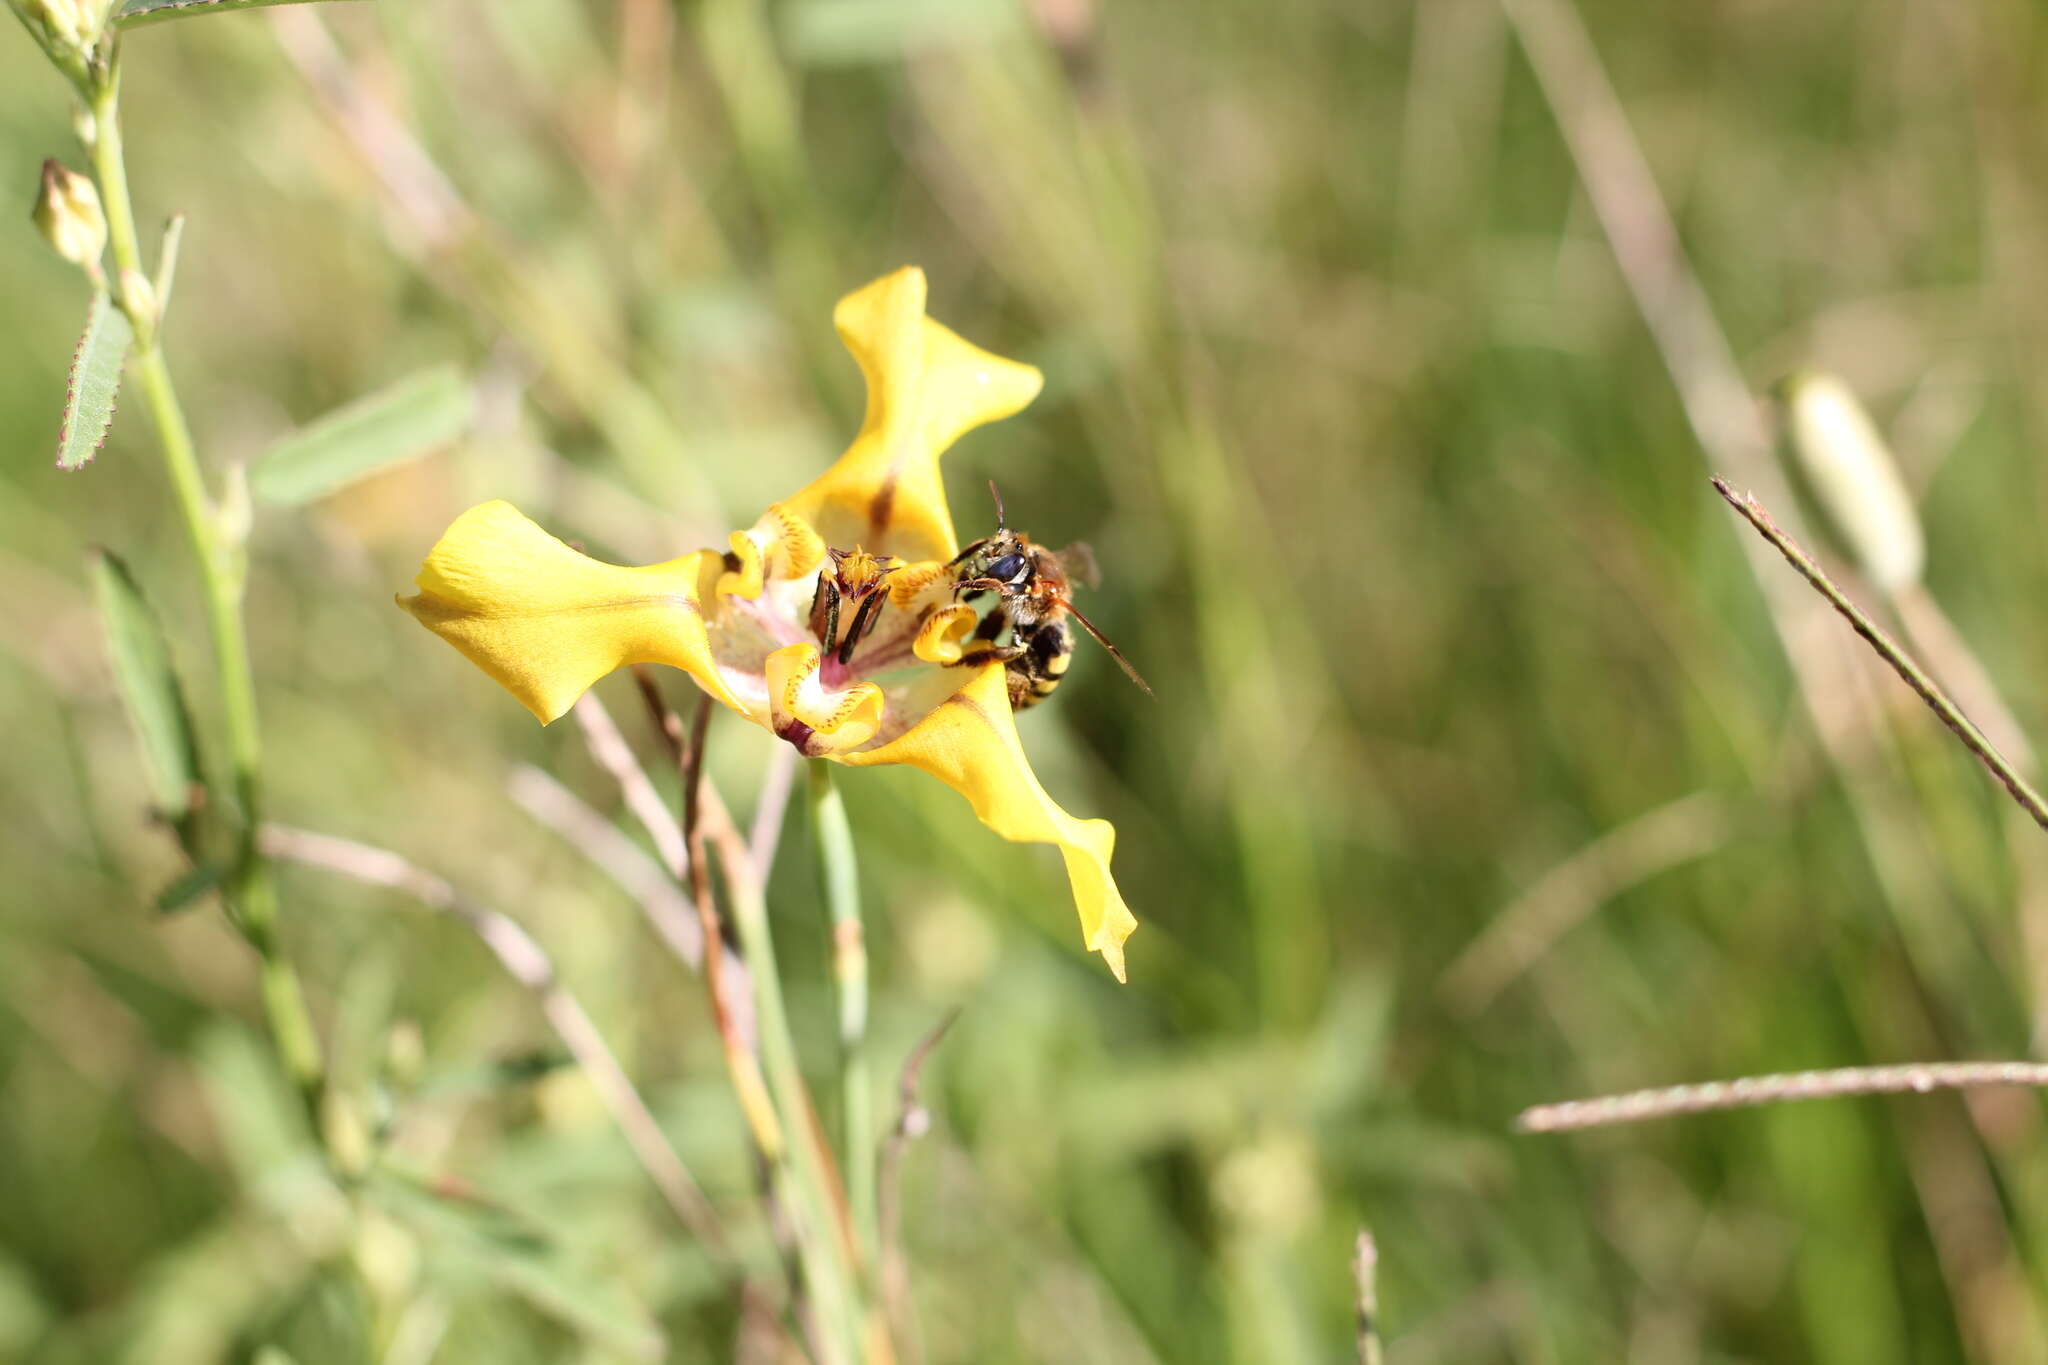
(149, 685)
(133, 13)
(473, 1242)
(167, 267)
(189, 887)
(403, 422)
(95, 380)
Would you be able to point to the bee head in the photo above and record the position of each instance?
(1013, 569)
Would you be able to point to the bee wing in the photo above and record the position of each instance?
(1078, 560)
(1114, 652)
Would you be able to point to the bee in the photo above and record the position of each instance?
(1034, 604)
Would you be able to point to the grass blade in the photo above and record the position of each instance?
(149, 685)
(402, 422)
(136, 12)
(95, 381)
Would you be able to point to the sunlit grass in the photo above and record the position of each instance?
(1398, 512)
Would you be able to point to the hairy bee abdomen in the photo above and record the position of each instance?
(1038, 670)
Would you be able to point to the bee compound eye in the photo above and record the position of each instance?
(1009, 569)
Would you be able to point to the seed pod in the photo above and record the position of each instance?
(68, 214)
(1849, 471)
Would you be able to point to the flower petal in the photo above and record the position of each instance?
(818, 722)
(547, 622)
(926, 388)
(942, 639)
(970, 743)
(781, 545)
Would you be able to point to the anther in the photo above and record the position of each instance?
(852, 577)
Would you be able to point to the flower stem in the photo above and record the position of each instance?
(1887, 649)
(833, 1275)
(783, 1121)
(250, 891)
(839, 880)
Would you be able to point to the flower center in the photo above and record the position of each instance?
(853, 588)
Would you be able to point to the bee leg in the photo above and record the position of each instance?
(964, 554)
(991, 625)
(991, 654)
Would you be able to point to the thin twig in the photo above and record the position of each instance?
(720, 977)
(1887, 649)
(528, 964)
(1916, 1078)
(770, 808)
(673, 917)
(1365, 1268)
(1929, 631)
(608, 746)
(913, 1121)
(765, 1073)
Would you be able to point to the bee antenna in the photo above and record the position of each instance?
(997, 494)
(1114, 653)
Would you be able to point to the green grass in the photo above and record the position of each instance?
(1398, 512)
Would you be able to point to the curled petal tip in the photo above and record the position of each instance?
(970, 743)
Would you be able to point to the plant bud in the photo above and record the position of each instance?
(82, 19)
(36, 14)
(138, 300)
(73, 26)
(1849, 471)
(68, 215)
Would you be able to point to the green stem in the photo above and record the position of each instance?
(829, 1264)
(839, 880)
(250, 891)
(1887, 649)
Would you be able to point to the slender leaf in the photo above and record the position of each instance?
(402, 422)
(95, 380)
(477, 1243)
(167, 266)
(189, 888)
(149, 685)
(136, 12)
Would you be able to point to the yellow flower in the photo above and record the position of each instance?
(831, 621)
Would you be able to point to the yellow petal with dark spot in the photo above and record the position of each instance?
(818, 722)
(970, 743)
(547, 622)
(926, 388)
(780, 545)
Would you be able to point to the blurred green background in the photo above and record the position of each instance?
(1397, 508)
